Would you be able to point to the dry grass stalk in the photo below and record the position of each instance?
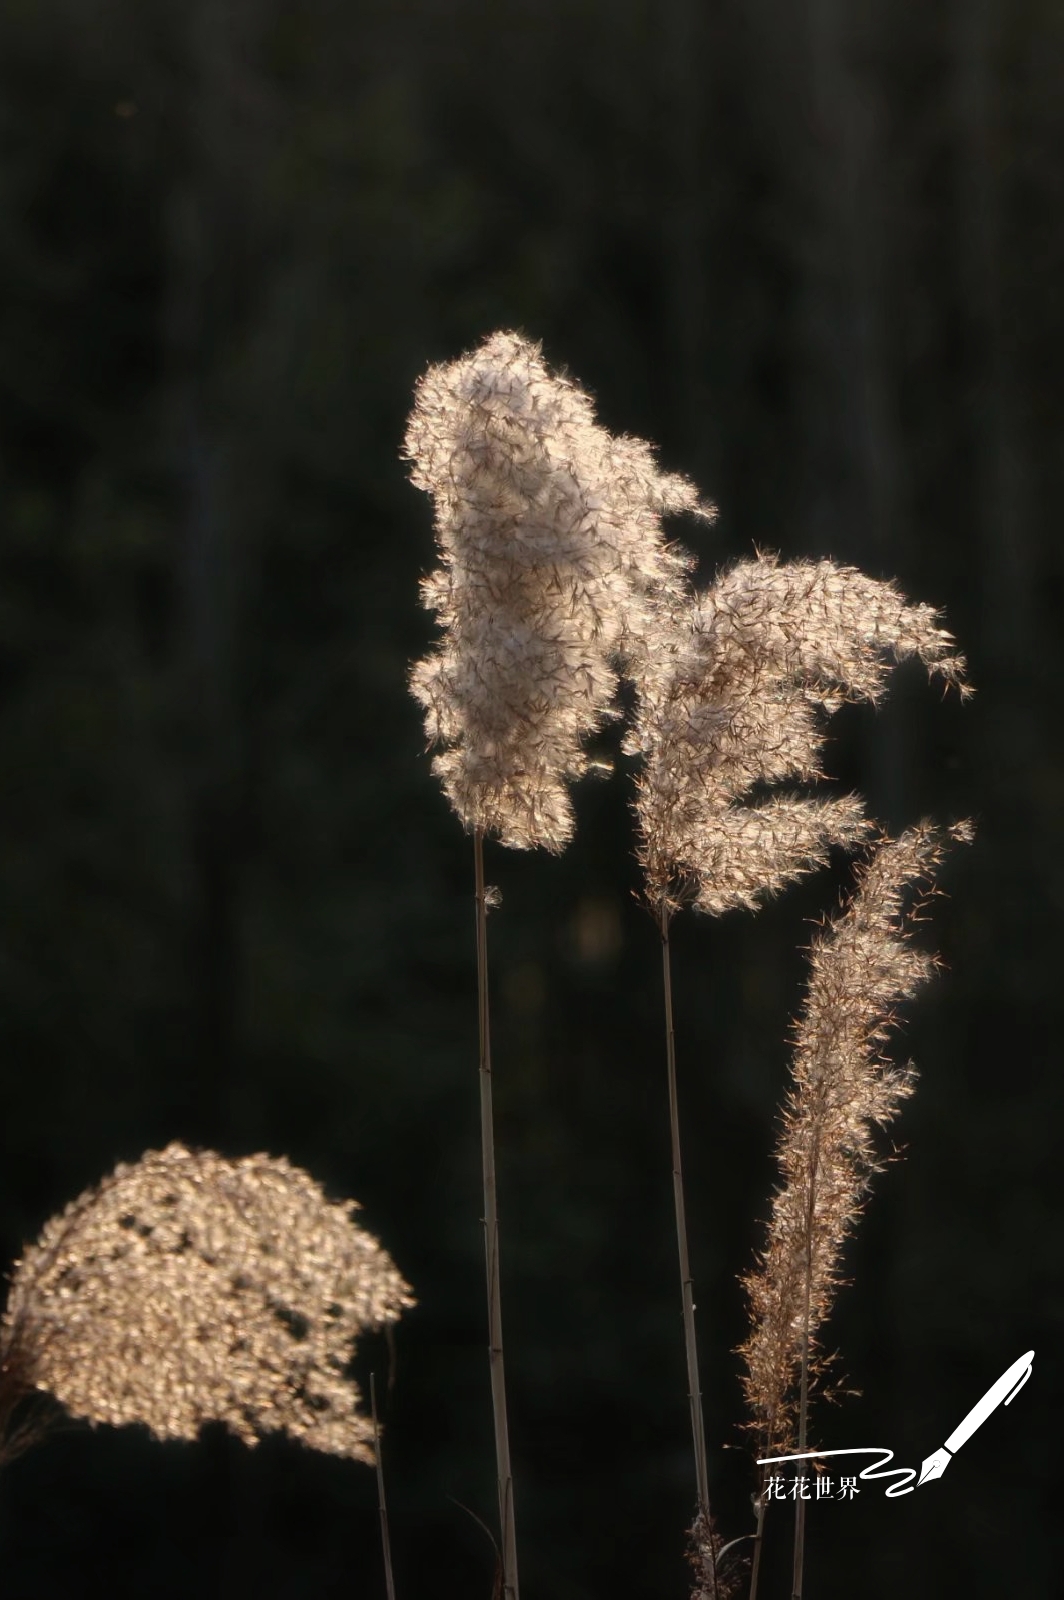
(554, 573)
(843, 1087)
(719, 1569)
(701, 1535)
(187, 1289)
(496, 1347)
(736, 698)
(382, 1504)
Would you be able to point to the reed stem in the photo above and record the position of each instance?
(803, 1405)
(491, 1241)
(386, 1544)
(686, 1282)
(759, 1539)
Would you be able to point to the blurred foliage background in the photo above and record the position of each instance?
(815, 252)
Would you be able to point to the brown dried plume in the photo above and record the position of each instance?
(553, 571)
(187, 1289)
(843, 1087)
(737, 698)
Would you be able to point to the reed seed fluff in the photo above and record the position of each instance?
(554, 575)
(737, 699)
(843, 1086)
(186, 1289)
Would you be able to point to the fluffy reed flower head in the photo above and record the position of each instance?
(187, 1289)
(738, 698)
(553, 570)
(842, 1087)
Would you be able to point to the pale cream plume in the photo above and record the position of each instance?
(554, 575)
(187, 1289)
(553, 572)
(843, 1087)
(738, 700)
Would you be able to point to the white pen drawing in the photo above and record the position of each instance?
(1003, 1392)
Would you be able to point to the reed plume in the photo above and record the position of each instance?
(862, 966)
(843, 1087)
(735, 700)
(554, 574)
(553, 571)
(186, 1289)
(739, 700)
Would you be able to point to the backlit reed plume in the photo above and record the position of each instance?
(554, 573)
(739, 701)
(734, 700)
(553, 569)
(862, 966)
(186, 1289)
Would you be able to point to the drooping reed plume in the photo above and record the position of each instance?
(553, 573)
(739, 701)
(186, 1289)
(554, 578)
(843, 1088)
(734, 702)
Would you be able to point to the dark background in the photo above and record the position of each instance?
(815, 252)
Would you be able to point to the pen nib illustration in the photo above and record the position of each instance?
(934, 1466)
(1003, 1392)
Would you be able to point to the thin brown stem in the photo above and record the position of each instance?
(803, 1404)
(491, 1241)
(386, 1544)
(686, 1282)
(755, 1570)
